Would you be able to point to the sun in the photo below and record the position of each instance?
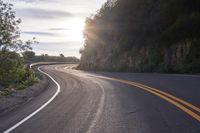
(74, 30)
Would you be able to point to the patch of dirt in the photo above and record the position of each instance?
(20, 97)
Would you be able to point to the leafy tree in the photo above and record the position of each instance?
(12, 70)
(9, 30)
(13, 73)
(10, 33)
(61, 55)
(28, 54)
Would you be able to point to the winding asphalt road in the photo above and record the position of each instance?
(97, 102)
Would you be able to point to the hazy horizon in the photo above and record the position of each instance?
(56, 24)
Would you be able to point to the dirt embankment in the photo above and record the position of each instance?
(20, 97)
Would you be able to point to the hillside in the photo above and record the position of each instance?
(143, 36)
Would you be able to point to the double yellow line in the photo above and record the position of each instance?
(181, 104)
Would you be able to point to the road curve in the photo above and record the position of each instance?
(98, 102)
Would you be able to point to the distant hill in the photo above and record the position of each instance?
(143, 36)
(30, 56)
(55, 59)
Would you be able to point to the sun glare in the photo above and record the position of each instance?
(74, 32)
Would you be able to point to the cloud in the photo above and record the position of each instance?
(58, 29)
(48, 20)
(39, 13)
(29, 1)
(39, 33)
(68, 48)
(67, 43)
(32, 1)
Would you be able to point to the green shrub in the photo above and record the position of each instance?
(13, 72)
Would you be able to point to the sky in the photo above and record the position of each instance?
(56, 24)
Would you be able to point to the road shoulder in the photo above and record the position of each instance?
(20, 97)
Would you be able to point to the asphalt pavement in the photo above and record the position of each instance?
(104, 102)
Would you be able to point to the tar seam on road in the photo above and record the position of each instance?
(39, 109)
(99, 110)
(167, 97)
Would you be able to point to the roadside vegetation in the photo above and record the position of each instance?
(14, 74)
(143, 36)
(30, 56)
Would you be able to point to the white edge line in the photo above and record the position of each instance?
(39, 109)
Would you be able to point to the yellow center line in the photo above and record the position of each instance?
(174, 100)
(173, 97)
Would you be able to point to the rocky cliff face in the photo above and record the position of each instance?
(143, 36)
(182, 58)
